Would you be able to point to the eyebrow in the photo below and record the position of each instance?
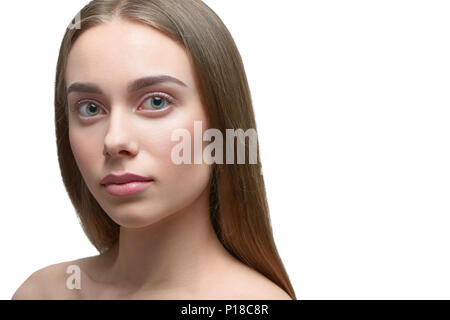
(132, 86)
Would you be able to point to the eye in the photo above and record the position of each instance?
(90, 109)
(157, 101)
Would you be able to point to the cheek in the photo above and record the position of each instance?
(158, 142)
(86, 154)
(179, 184)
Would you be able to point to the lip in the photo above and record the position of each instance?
(125, 184)
(126, 189)
(123, 178)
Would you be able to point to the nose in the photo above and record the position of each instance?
(119, 140)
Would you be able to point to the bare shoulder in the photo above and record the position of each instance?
(49, 282)
(246, 283)
(260, 287)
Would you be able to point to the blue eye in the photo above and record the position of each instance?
(91, 109)
(156, 102)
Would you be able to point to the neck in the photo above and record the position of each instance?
(176, 252)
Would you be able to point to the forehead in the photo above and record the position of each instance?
(117, 52)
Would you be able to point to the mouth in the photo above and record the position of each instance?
(128, 188)
(125, 184)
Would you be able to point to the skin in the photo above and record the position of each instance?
(167, 247)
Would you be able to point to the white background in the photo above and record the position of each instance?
(352, 102)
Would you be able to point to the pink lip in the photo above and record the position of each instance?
(125, 184)
(127, 188)
(123, 178)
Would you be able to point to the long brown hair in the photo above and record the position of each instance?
(238, 205)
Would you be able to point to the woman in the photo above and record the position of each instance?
(127, 78)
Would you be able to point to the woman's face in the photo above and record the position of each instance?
(119, 127)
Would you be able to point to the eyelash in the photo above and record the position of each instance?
(165, 96)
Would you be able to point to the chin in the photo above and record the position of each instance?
(136, 220)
